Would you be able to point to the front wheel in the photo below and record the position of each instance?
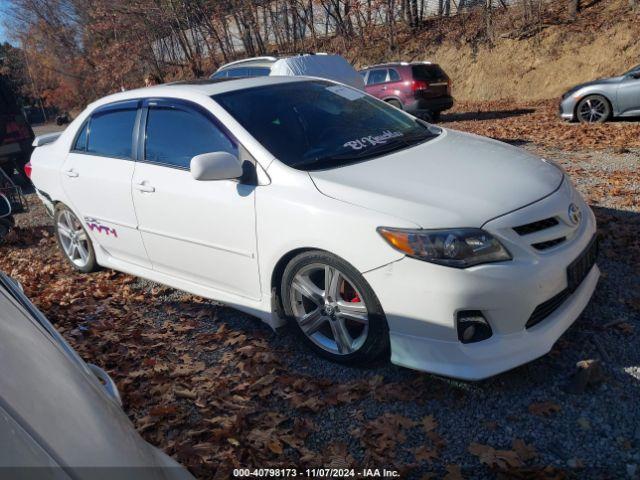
(593, 109)
(74, 240)
(334, 309)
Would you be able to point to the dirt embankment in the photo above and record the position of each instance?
(539, 67)
(525, 61)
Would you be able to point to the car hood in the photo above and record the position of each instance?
(455, 180)
(602, 81)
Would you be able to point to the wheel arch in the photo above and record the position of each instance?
(278, 272)
(394, 98)
(592, 94)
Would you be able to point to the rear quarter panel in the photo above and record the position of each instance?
(47, 161)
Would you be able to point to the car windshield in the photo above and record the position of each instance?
(634, 69)
(315, 125)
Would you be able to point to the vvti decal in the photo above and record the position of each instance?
(95, 225)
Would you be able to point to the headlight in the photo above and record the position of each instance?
(460, 248)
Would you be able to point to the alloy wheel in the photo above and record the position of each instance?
(73, 238)
(329, 309)
(593, 110)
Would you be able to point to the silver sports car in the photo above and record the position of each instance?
(597, 101)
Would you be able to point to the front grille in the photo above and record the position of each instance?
(536, 226)
(548, 244)
(545, 309)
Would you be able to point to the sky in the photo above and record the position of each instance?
(4, 5)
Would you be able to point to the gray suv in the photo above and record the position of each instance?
(597, 101)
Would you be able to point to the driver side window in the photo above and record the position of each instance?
(175, 135)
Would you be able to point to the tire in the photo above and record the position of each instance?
(353, 308)
(395, 103)
(74, 241)
(427, 117)
(435, 116)
(593, 109)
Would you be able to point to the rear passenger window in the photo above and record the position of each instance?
(238, 72)
(81, 139)
(258, 71)
(110, 133)
(175, 136)
(377, 76)
(394, 76)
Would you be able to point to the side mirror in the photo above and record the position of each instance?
(635, 74)
(215, 166)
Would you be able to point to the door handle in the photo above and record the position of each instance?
(384, 88)
(71, 173)
(143, 187)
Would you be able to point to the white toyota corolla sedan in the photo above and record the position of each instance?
(307, 200)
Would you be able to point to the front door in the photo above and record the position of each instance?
(201, 231)
(629, 94)
(96, 176)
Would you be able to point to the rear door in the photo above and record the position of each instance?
(376, 82)
(200, 231)
(437, 81)
(96, 176)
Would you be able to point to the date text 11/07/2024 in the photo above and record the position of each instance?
(315, 473)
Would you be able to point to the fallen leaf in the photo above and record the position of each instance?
(429, 423)
(524, 451)
(453, 473)
(544, 409)
(584, 423)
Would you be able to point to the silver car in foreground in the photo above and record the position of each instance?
(60, 418)
(600, 100)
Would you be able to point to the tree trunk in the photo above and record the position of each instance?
(488, 20)
(574, 8)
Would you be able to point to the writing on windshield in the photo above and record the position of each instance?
(372, 140)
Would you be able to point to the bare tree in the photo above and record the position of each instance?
(574, 8)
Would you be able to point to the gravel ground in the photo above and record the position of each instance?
(595, 434)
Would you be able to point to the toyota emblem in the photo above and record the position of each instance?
(575, 215)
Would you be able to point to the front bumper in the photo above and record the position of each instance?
(567, 107)
(421, 299)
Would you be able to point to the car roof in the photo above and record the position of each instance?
(395, 64)
(53, 395)
(204, 87)
(265, 61)
(250, 62)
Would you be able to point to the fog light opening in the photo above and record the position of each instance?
(472, 326)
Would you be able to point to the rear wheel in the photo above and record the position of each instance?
(395, 103)
(593, 109)
(334, 309)
(74, 240)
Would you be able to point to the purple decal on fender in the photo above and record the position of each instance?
(95, 226)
